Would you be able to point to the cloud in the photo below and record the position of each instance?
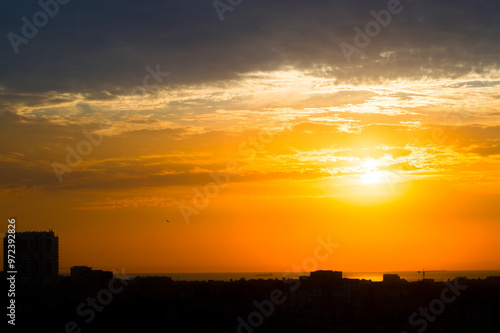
(475, 84)
(101, 49)
(488, 149)
(130, 202)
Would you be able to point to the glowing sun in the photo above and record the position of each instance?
(374, 177)
(371, 175)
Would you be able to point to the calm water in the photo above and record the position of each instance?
(374, 276)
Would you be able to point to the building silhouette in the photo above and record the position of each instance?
(88, 277)
(37, 258)
(77, 272)
(391, 278)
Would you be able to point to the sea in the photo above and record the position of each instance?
(373, 276)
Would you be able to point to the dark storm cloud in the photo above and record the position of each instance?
(95, 46)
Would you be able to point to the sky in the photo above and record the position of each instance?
(199, 136)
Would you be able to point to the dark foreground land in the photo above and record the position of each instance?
(320, 303)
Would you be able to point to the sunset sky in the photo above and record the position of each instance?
(394, 154)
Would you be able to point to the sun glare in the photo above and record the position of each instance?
(370, 164)
(374, 177)
(371, 175)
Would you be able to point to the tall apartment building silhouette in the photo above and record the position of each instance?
(37, 258)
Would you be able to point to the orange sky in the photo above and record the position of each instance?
(402, 174)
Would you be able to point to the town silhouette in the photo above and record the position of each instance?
(104, 301)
